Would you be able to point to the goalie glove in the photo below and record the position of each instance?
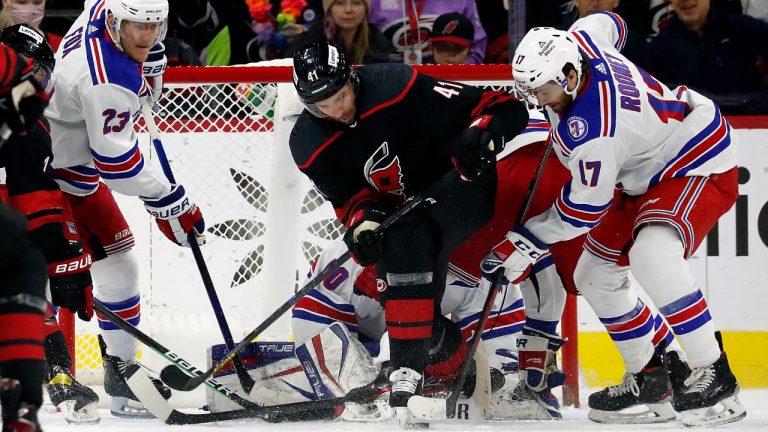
(153, 69)
(177, 216)
(71, 284)
(517, 254)
(476, 149)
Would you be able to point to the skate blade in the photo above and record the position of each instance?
(127, 408)
(88, 414)
(652, 413)
(726, 411)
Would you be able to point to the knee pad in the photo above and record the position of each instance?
(116, 277)
(658, 262)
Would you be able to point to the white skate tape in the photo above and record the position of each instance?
(334, 362)
(726, 411)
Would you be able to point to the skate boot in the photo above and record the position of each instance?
(124, 402)
(406, 382)
(678, 371)
(650, 388)
(516, 401)
(709, 396)
(76, 401)
(18, 416)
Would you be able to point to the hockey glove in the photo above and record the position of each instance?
(517, 254)
(176, 216)
(71, 284)
(475, 150)
(366, 246)
(153, 69)
(538, 366)
(24, 105)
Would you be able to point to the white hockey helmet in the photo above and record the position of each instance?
(140, 11)
(540, 58)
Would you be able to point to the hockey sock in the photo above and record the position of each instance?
(658, 263)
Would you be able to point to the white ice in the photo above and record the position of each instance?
(575, 419)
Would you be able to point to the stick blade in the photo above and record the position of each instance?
(175, 378)
(428, 408)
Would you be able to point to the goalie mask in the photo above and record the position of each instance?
(320, 71)
(544, 55)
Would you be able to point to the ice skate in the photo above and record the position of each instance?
(709, 396)
(643, 397)
(124, 402)
(18, 416)
(516, 401)
(76, 401)
(406, 382)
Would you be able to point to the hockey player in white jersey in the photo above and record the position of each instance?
(98, 94)
(350, 296)
(670, 158)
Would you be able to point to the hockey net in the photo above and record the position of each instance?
(265, 221)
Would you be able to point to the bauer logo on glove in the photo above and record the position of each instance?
(177, 216)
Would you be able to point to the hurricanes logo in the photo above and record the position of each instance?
(383, 172)
(451, 26)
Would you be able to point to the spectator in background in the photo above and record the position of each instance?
(451, 37)
(27, 12)
(714, 53)
(636, 46)
(407, 24)
(346, 21)
(493, 16)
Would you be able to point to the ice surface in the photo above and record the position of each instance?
(575, 419)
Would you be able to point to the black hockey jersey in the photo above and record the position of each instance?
(399, 143)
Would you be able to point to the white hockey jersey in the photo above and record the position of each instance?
(626, 130)
(96, 100)
(349, 295)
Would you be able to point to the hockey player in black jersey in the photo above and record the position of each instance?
(369, 139)
(25, 155)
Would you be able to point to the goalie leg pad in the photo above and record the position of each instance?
(335, 362)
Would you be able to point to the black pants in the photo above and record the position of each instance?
(413, 269)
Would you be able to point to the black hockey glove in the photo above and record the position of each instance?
(71, 284)
(366, 246)
(24, 105)
(476, 149)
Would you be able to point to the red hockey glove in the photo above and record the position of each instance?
(475, 150)
(176, 216)
(517, 254)
(71, 284)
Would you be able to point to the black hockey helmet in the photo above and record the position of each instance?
(320, 70)
(30, 42)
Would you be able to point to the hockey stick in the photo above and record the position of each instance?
(440, 409)
(179, 381)
(145, 390)
(328, 409)
(170, 355)
(242, 374)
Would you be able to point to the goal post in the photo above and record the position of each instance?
(265, 221)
